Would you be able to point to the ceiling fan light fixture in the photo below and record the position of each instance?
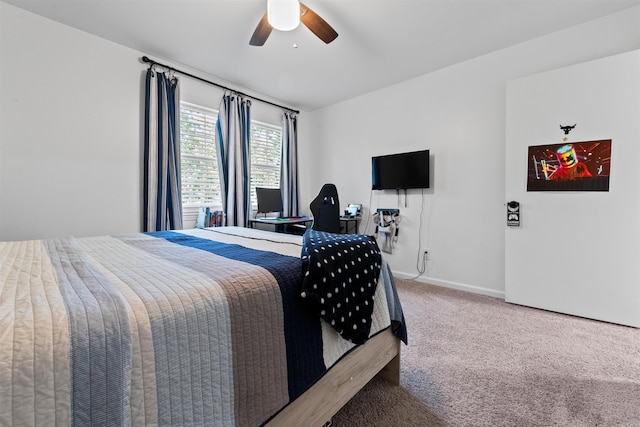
(283, 15)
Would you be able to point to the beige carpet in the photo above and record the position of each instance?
(474, 360)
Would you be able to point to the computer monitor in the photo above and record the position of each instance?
(269, 200)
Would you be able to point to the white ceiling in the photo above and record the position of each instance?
(380, 42)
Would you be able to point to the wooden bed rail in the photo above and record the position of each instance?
(378, 356)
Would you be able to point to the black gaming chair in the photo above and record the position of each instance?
(326, 210)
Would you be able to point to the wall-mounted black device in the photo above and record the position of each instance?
(513, 214)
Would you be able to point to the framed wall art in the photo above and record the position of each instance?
(569, 166)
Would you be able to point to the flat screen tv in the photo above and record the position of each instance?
(400, 171)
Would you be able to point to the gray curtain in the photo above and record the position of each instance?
(289, 164)
(162, 194)
(233, 132)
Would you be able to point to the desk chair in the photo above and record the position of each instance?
(326, 210)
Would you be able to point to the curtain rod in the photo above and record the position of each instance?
(184, 73)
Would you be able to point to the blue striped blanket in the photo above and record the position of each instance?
(198, 327)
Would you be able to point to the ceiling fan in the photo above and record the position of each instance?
(308, 17)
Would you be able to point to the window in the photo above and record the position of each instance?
(199, 163)
(266, 145)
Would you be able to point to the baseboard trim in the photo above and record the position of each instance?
(452, 285)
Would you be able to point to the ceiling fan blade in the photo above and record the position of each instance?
(316, 24)
(261, 32)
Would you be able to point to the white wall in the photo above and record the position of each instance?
(71, 130)
(577, 252)
(70, 134)
(459, 114)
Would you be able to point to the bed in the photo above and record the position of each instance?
(180, 328)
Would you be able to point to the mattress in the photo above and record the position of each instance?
(195, 327)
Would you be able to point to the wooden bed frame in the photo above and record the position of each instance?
(380, 356)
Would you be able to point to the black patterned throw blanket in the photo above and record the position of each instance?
(341, 273)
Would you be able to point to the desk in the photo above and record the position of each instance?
(349, 223)
(280, 224)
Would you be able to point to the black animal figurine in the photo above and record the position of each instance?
(567, 129)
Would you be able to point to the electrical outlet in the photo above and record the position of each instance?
(427, 254)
